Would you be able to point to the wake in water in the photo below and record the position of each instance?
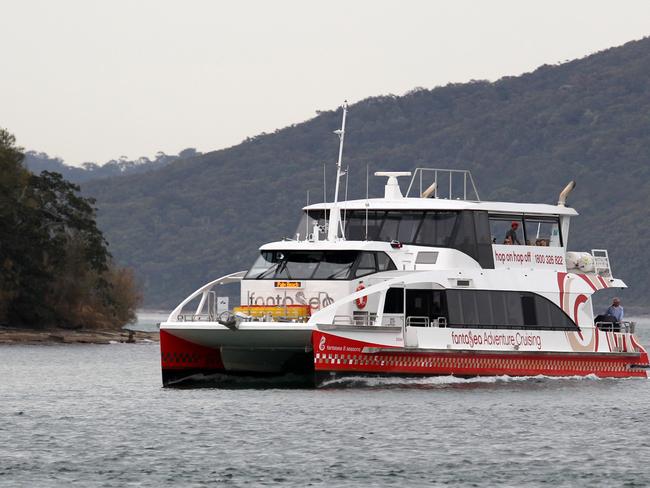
(441, 381)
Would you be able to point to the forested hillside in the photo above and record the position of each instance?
(39, 161)
(522, 137)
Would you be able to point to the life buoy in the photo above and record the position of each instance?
(361, 302)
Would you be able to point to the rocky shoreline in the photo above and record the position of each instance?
(11, 335)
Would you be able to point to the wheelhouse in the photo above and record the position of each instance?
(318, 264)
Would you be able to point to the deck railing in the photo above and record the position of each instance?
(446, 183)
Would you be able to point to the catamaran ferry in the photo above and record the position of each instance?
(431, 282)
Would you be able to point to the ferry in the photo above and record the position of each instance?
(432, 281)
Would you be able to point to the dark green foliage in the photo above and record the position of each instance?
(38, 161)
(522, 137)
(54, 260)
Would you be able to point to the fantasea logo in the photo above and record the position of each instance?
(321, 300)
(474, 339)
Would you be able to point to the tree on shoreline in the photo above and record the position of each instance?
(54, 261)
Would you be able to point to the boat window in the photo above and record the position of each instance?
(409, 226)
(504, 310)
(298, 265)
(335, 265)
(265, 265)
(437, 229)
(394, 302)
(389, 229)
(306, 225)
(543, 231)
(318, 265)
(468, 231)
(367, 264)
(384, 263)
(507, 229)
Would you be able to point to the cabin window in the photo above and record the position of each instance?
(529, 230)
(542, 231)
(507, 229)
(468, 231)
(318, 265)
(298, 265)
(306, 225)
(394, 302)
(419, 303)
(504, 310)
(488, 309)
(335, 265)
(384, 263)
(367, 264)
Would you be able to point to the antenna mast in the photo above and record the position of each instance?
(335, 216)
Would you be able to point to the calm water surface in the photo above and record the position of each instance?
(77, 415)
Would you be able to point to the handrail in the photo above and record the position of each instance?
(466, 176)
(624, 326)
(205, 290)
(417, 321)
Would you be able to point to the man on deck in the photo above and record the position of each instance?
(512, 234)
(615, 310)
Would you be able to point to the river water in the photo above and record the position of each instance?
(96, 416)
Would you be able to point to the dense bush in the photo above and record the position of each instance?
(56, 269)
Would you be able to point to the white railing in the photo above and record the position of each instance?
(206, 310)
(625, 326)
(446, 178)
(601, 262)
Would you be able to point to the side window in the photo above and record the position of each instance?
(409, 227)
(504, 310)
(541, 231)
(390, 228)
(394, 301)
(507, 229)
(384, 263)
(367, 264)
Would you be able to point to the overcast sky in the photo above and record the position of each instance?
(90, 81)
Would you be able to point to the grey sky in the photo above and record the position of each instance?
(90, 81)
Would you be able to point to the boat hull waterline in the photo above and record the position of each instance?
(320, 355)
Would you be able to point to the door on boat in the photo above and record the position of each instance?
(423, 309)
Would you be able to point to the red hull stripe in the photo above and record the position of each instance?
(177, 353)
(560, 284)
(589, 282)
(351, 358)
(602, 282)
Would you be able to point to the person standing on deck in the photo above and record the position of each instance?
(512, 234)
(615, 310)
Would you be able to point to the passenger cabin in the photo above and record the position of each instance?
(475, 228)
(429, 231)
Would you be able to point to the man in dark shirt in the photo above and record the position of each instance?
(512, 233)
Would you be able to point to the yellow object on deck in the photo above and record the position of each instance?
(288, 312)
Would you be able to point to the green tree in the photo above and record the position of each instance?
(56, 268)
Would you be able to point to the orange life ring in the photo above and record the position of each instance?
(361, 302)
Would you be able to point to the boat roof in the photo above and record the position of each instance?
(446, 204)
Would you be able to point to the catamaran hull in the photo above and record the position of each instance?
(216, 354)
(335, 356)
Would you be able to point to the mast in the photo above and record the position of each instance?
(335, 223)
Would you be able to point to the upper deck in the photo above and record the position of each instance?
(442, 204)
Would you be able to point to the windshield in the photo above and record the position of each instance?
(318, 265)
